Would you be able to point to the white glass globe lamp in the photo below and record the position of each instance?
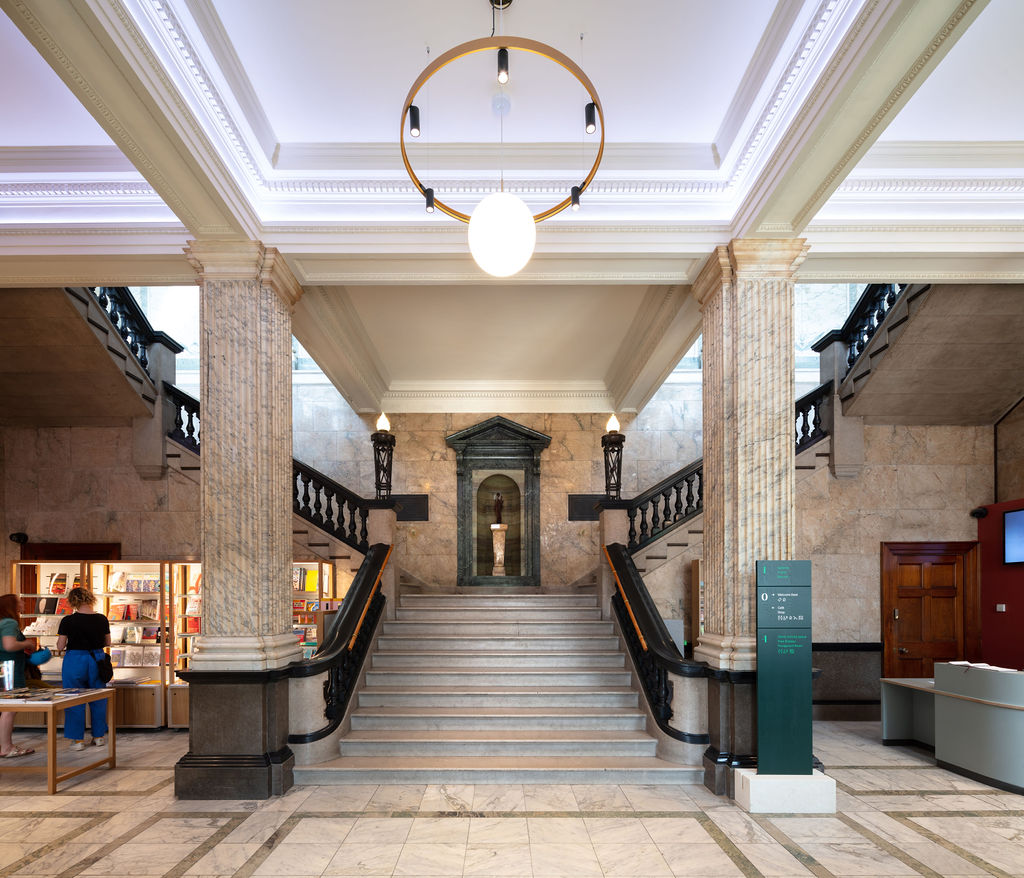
(502, 234)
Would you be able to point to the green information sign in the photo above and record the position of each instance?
(784, 667)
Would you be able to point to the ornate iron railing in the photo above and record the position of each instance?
(347, 641)
(809, 421)
(654, 653)
(867, 315)
(316, 498)
(330, 506)
(668, 504)
(131, 323)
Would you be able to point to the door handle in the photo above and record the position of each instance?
(896, 613)
(903, 651)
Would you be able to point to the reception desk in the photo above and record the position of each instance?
(972, 715)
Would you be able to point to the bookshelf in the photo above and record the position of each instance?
(314, 600)
(186, 623)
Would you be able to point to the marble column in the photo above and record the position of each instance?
(746, 294)
(238, 693)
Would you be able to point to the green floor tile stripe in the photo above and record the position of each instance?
(791, 847)
(93, 820)
(887, 846)
(906, 819)
(267, 848)
(205, 847)
(728, 846)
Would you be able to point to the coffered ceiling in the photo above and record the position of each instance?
(883, 131)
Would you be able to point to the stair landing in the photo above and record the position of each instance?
(484, 688)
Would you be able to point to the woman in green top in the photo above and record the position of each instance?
(13, 645)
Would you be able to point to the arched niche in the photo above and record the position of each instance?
(497, 448)
(492, 486)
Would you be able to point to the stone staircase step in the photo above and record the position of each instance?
(525, 718)
(550, 677)
(511, 643)
(491, 601)
(496, 659)
(489, 697)
(498, 770)
(510, 629)
(498, 614)
(503, 742)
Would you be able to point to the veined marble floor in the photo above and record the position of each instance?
(899, 815)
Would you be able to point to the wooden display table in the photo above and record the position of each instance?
(49, 702)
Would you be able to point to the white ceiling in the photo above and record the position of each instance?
(880, 130)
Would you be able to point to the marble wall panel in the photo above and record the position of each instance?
(1010, 456)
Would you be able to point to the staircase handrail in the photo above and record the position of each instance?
(316, 498)
(810, 425)
(655, 654)
(131, 323)
(346, 643)
(867, 315)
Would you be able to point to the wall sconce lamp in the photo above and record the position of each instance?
(611, 444)
(383, 452)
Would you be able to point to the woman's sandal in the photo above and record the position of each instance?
(16, 752)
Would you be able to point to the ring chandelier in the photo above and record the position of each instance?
(502, 231)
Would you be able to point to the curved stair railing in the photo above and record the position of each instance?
(316, 498)
(680, 497)
(654, 653)
(131, 323)
(346, 644)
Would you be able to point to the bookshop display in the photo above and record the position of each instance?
(155, 610)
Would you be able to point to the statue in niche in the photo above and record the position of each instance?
(499, 504)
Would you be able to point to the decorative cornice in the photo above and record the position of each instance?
(276, 274)
(50, 190)
(895, 96)
(714, 274)
(226, 260)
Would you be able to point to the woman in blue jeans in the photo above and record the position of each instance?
(83, 635)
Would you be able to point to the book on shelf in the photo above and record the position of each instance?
(118, 582)
(132, 634)
(47, 606)
(197, 586)
(118, 612)
(297, 578)
(311, 579)
(133, 656)
(298, 606)
(151, 656)
(58, 583)
(117, 656)
(149, 609)
(194, 606)
(193, 625)
(308, 651)
(63, 607)
(117, 633)
(150, 634)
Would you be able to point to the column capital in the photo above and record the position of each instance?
(749, 259)
(217, 260)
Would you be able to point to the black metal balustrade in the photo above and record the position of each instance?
(670, 502)
(331, 507)
(867, 315)
(809, 421)
(654, 653)
(131, 323)
(316, 498)
(186, 417)
(345, 646)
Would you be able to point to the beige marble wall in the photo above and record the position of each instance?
(1010, 456)
(329, 436)
(78, 484)
(917, 484)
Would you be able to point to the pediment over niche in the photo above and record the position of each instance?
(498, 433)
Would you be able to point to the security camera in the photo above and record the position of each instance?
(19, 537)
(979, 512)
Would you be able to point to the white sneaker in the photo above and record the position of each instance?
(99, 742)
(78, 745)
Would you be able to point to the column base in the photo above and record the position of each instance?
(813, 793)
(238, 736)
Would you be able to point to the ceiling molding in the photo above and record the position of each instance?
(107, 269)
(497, 396)
(78, 160)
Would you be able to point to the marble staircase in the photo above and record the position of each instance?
(498, 688)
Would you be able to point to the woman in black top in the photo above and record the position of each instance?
(83, 634)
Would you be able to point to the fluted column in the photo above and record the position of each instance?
(746, 294)
(238, 698)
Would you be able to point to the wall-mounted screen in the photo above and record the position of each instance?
(1013, 537)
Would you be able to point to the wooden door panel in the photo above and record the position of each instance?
(926, 592)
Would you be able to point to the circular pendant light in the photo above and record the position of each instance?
(502, 231)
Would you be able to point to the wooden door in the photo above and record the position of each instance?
(930, 606)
